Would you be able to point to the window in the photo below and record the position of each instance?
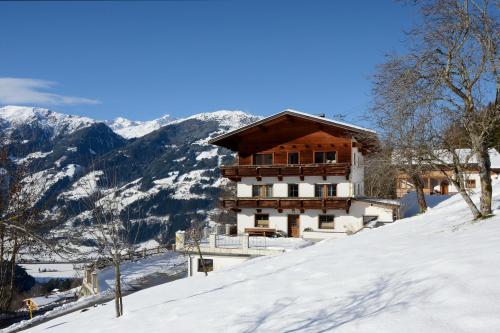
(293, 158)
(262, 220)
(207, 263)
(331, 190)
(262, 159)
(325, 190)
(325, 157)
(318, 190)
(262, 191)
(326, 221)
(471, 183)
(256, 191)
(293, 190)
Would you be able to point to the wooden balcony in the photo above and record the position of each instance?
(235, 172)
(288, 203)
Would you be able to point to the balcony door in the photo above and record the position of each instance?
(293, 226)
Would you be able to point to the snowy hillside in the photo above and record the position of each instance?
(437, 272)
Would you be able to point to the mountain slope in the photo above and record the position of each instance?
(437, 272)
(165, 179)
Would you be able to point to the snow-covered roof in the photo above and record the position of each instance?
(466, 156)
(332, 121)
(379, 201)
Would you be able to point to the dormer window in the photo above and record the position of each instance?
(262, 159)
(325, 157)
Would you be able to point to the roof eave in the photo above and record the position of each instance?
(345, 126)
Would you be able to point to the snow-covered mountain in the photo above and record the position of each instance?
(134, 128)
(436, 272)
(165, 178)
(13, 118)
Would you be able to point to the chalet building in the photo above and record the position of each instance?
(436, 183)
(301, 175)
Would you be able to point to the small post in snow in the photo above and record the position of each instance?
(245, 241)
(180, 239)
(212, 240)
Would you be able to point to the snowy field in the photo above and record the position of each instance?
(436, 272)
(45, 272)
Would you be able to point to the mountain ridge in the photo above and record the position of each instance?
(165, 179)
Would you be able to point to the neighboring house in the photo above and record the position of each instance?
(301, 175)
(436, 182)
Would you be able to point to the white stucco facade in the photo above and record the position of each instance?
(357, 172)
(306, 186)
(344, 222)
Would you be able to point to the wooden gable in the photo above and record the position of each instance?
(295, 132)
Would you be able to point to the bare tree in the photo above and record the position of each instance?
(23, 226)
(195, 235)
(455, 53)
(396, 112)
(111, 225)
(450, 77)
(380, 175)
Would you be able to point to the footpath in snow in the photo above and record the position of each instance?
(436, 272)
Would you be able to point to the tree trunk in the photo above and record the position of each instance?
(10, 289)
(201, 257)
(419, 189)
(484, 164)
(458, 180)
(118, 289)
(463, 192)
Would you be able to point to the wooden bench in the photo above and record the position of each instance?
(266, 232)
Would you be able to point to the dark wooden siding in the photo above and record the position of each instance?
(306, 145)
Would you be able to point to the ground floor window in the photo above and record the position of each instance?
(207, 263)
(262, 220)
(326, 221)
(369, 218)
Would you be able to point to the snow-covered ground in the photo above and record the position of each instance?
(43, 301)
(133, 272)
(436, 272)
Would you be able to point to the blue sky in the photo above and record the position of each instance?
(141, 60)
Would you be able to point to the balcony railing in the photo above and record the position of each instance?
(235, 172)
(288, 203)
